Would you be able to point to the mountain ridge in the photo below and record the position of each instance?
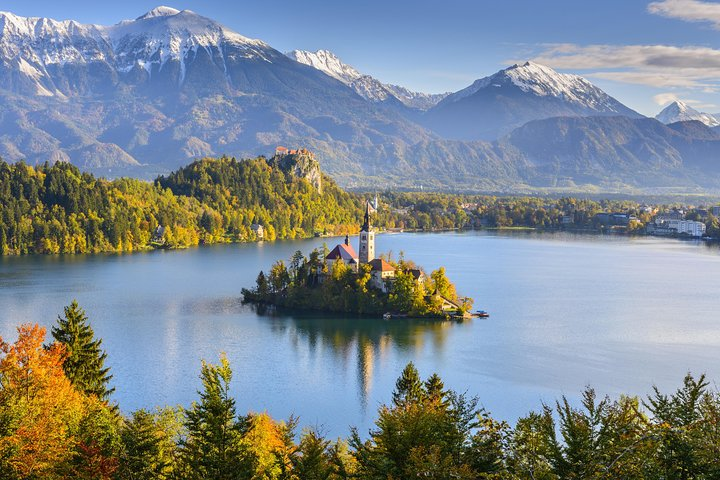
(365, 85)
(169, 88)
(494, 105)
(145, 96)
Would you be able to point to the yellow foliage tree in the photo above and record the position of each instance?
(41, 412)
(269, 446)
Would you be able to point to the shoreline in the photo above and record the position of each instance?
(292, 310)
(577, 231)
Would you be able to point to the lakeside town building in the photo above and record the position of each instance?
(664, 225)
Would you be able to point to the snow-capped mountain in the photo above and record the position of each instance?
(147, 95)
(679, 111)
(38, 54)
(42, 56)
(365, 85)
(170, 86)
(328, 63)
(494, 105)
(543, 81)
(165, 35)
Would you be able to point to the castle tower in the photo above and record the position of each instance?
(367, 239)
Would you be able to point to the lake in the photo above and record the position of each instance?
(618, 313)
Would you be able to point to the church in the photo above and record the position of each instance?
(381, 271)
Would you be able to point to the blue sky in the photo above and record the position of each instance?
(644, 53)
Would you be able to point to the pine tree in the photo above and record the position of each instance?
(213, 447)
(142, 447)
(262, 285)
(408, 388)
(313, 463)
(435, 389)
(85, 364)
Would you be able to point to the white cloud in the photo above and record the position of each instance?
(660, 66)
(665, 98)
(568, 55)
(688, 10)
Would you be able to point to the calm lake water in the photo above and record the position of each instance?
(618, 313)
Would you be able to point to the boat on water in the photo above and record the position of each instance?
(388, 315)
(481, 314)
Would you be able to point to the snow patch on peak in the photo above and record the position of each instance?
(152, 40)
(40, 42)
(366, 86)
(328, 63)
(167, 23)
(543, 81)
(679, 111)
(161, 11)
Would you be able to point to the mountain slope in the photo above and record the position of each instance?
(171, 86)
(695, 129)
(642, 153)
(147, 95)
(679, 111)
(365, 85)
(494, 105)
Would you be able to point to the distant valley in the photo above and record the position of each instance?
(146, 96)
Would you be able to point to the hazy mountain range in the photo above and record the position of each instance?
(150, 94)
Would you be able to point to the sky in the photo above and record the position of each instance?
(644, 53)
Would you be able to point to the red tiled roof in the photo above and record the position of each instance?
(342, 251)
(381, 265)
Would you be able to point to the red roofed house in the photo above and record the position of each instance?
(344, 252)
(281, 151)
(382, 273)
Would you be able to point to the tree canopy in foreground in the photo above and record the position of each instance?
(52, 427)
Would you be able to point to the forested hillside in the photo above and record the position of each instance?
(286, 197)
(58, 209)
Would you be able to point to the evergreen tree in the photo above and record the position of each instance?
(314, 461)
(262, 285)
(408, 388)
(213, 447)
(678, 418)
(142, 445)
(435, 389)
(420, 437)
(343, 463)
(85, 364)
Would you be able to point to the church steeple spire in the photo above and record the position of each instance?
(366, 225)
(367, 237)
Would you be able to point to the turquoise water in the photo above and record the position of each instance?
(566, 311)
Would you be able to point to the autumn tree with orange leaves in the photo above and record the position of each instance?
(42, 415)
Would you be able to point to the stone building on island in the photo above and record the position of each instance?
(367, 238)
(345, 253)
(381, 271)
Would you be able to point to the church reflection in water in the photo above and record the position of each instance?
(362, 343)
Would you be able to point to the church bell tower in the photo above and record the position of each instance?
(367, 239)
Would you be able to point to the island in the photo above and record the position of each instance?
(341, 280)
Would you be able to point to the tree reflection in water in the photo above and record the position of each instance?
(368, 339)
